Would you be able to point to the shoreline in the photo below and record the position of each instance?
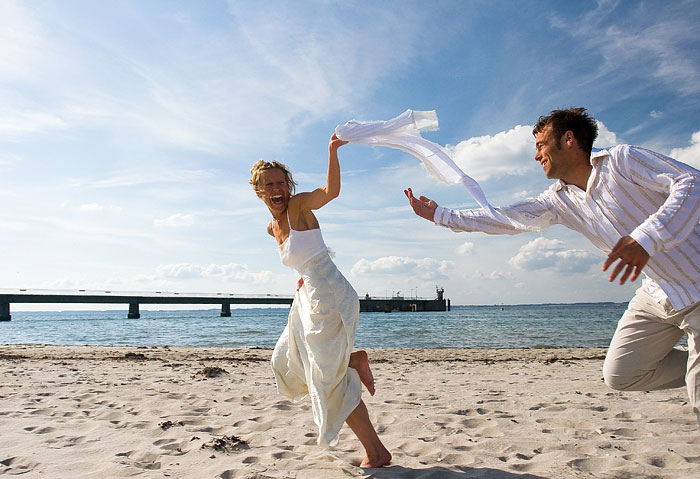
(183, 412)
(257, 353)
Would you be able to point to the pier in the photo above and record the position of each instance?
(134, 300)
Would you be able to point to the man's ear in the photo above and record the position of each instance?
(569, 139)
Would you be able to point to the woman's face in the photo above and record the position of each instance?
(273, 190)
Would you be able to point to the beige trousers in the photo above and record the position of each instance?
(643, 355)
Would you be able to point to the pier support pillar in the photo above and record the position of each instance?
(226, 310)
(134, 311)
(5, 312)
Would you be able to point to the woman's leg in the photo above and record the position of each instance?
(360, 363)
(359, 422)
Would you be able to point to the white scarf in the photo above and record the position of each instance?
(403, 133)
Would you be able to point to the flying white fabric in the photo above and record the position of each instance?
(403, 133)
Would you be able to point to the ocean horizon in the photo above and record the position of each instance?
(475, 326)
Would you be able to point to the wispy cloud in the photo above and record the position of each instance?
(9, 160)
(658, 42)
(250, 83)
(148, 175)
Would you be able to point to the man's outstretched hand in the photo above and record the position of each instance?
(422, 206)
(632, 258)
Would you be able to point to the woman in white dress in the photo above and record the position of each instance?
(314, 355)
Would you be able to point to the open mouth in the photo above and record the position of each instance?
(277, 199)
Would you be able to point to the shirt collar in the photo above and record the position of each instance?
(597, 154)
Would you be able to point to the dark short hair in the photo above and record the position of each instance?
(577, 120)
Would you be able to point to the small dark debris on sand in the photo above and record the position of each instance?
(134, 356)
(226, 444)
(165, 425)
(210, 372)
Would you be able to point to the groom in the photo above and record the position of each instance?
(640, 208)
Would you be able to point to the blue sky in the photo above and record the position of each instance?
(127, 131)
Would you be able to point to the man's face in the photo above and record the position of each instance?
(550, 154)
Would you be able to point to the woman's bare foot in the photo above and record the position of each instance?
(376, 455)
(360, 363)
(380, 460)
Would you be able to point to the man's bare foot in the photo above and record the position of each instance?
(381, 460)
(360, 363)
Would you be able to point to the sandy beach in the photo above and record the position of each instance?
(109, 412)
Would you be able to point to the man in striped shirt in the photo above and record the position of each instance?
(639, 207)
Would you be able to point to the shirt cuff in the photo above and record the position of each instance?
(644, 241)
(437, 216)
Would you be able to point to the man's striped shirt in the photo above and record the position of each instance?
(631, 192)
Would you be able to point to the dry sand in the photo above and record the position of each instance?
(108, 412)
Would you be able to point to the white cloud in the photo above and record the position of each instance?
(425, 268)
(497, 275)
(542, 253)
(177, 220)
(465, 248)
(91, 208)
(232, 272)
(492, 275)
(487, 156)
(689, 154)
(606, 138)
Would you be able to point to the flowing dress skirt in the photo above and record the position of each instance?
(312, 354)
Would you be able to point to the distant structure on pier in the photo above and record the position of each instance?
(397, 303)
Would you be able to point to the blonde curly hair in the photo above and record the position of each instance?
(262, 165)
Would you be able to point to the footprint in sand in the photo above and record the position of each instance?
(148, 461)
(18, 465)
(596, 465)
(43, 430)
(662, 460)
(474, 423)
(284, 455)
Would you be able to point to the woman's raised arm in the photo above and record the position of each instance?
(320, 196)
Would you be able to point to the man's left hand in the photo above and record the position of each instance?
(632, 258)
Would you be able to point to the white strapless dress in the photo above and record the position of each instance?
(312, 354)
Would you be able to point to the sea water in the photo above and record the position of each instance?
(507, 326)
